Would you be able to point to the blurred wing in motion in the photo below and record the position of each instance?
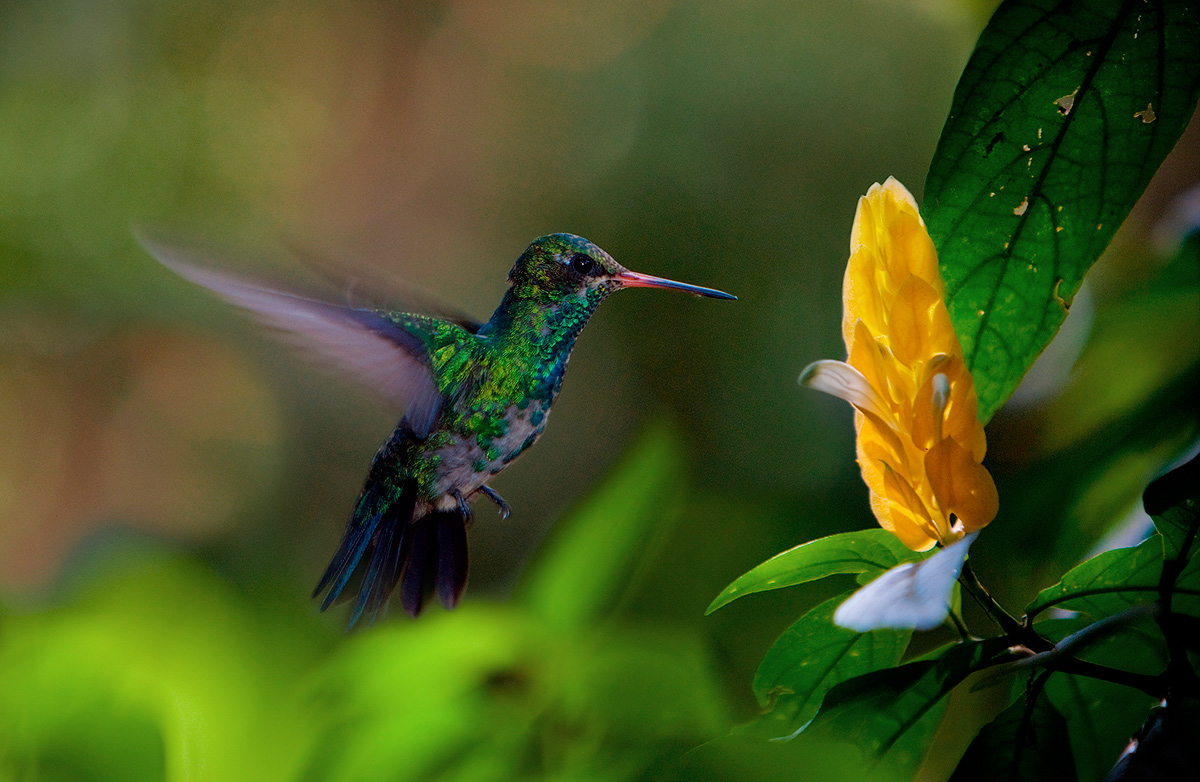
(362, 285)
(388, 359)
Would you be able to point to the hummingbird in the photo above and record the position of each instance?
(472, 398)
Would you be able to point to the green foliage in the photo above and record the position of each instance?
(896, 711)
(122, 684)
(866, 551)
(813, 656)
(1173, 501)
(593, 560)
(1024, 742)
(160, 665)
(1061, 117)
(1115, 580)
(182, 679)
(1102, 715)
(893, 710)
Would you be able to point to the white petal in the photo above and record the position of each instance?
(912, 596)
(845, 382)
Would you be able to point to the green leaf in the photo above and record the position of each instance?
(586, 567)
(1173, 501)
(898, 708)
(1026, 741)
(864, 551)
(1062, 115)
(1100, 715)
(814, 655)
(1113, 581)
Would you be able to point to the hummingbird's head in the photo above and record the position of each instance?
(558, 265)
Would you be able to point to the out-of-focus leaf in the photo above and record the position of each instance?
(1101, 716)
(158, 671)
(1117, 579)
(911, 596)
(897, 709)
(1142, 343)
(1062, 115)
(406, 702)
(642, 685)
(1173, 501)
(1128, 410)
(403, 699)
(864, 551)
(601, 545)
(1027, 741)
(814, 655)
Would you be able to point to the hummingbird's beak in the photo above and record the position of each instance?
(630, 279)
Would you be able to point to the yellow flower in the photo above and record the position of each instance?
(919, 442)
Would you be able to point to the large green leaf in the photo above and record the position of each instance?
(1026, 741)
(898, 708)
(1062, 115)
(863, 551)
(1117, 579)
(814, 655)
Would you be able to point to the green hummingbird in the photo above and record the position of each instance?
(472, 397)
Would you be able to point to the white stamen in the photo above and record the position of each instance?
(941, 397)
(845, 382)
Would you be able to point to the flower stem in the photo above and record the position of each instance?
(1005, 620)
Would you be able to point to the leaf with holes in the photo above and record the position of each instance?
(1062, 115)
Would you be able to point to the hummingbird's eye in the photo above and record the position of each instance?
(582, 265)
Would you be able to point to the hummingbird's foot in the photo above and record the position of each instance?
(491, 494)
(464, 507)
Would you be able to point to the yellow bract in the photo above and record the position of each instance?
(920, 442)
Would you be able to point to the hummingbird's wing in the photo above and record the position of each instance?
(388, 359)
(364, 286)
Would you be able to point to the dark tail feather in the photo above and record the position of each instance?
(384, 546)
(452, 558)
(414, 590)
(383, 570)
(437, 561)
(355, 541)
(370, 556)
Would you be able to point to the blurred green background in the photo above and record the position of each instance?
(172, 481)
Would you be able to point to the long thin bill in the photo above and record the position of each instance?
(637, 280)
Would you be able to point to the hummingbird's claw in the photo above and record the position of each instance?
(491, 494)
(464, 507)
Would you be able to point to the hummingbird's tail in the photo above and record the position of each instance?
(386, 545)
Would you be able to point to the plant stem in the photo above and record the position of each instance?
(1005, 620)
(1154, 686)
